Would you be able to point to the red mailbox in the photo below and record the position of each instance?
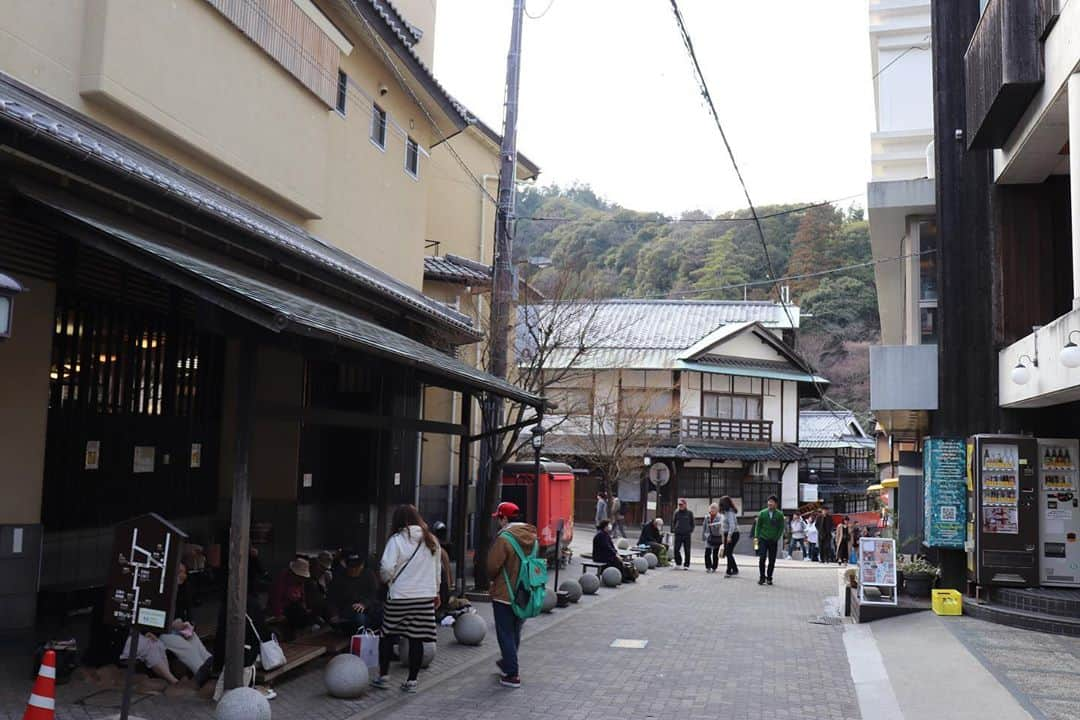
(542, 503)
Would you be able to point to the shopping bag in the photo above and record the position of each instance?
(366, 647)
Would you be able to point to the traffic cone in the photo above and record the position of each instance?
(42, 704)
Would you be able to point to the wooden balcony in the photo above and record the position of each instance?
(713, 431)
(1003, 68)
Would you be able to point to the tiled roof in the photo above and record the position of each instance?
(26, 108)
(823, 429)
(456, 269)
(778, 452)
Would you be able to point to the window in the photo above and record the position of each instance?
(731, 407)
(412, 158)
(711, 483)
(928, 287)
(342, 91)
(647, 403)
(378, 126)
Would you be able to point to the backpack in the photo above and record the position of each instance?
(527, 595)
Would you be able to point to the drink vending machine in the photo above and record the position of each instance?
(1003, 520)
(1059, 514)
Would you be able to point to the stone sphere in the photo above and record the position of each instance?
(403, 652)
(651, 559)
(470, 629)
(641, 564)
(550, 600)
(346, 676)
(623, 544)
(244, 704)
(573, 590)
(589, 584)
(612, 577)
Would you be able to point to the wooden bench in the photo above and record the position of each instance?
(586, 565)
(304, 650)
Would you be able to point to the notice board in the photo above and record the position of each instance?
(944, 492)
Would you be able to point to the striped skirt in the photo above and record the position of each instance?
(411, 618)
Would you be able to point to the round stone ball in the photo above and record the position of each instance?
(550, 600)
(470, 629)
(651, 559)
(623, 544)
(403, 652)
(612, 577)
(244, 704)
(346, 676)
(641, 564)
(572, 588)
(589, 584)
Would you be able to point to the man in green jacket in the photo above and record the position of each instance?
(768, 529)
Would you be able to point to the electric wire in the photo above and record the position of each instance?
(704, 87)
(542, 14)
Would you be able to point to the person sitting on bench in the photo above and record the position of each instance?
(353, 597)
(288, 598)
(183, 641)
(652, 535)
(603, 551)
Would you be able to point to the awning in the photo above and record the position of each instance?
(259, 297)
(890, 483)
(770, 374)
(874, 488)
(777, 452)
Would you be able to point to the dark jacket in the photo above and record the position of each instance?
(649, 534)
(603, 549)
(502, 557)
(345, 591)
(683, 522)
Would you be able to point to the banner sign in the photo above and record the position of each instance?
(944, 492)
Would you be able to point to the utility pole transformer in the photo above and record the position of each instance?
(502, 296)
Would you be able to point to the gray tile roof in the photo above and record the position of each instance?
(824, 429)
(88, 140)
(456, 269)
(778, 452)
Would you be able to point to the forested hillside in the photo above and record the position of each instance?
(628, 253)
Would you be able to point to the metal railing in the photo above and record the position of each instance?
(700, 429)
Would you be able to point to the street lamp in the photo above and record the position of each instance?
(9, 288)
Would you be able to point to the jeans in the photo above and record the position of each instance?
(813, 551)
(712, 556)
(508, 632)
(729, 552)
(797, 542)
(682, 542)
(767, 549)
(386, 653)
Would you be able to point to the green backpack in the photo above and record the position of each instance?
(527, 595)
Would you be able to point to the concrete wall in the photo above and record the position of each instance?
(179, 78)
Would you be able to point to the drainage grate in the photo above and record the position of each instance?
(822, 620)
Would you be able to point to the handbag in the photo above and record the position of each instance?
(365, 646)
(271, 656)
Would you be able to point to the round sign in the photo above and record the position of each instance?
(659, 475)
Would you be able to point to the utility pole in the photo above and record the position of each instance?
(502, 295)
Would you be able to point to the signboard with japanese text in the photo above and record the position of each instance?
(142, 573)
(945, 492)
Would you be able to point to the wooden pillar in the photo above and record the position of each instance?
(239, 536)
(462, 502)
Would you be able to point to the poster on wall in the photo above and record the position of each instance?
(144, 459)
(93, 455)
(944, 492)
(196, 455)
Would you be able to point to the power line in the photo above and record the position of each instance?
(898, 58)
(545, 12)
(700, 76)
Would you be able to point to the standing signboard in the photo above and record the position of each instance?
(944, 492)
(877, 569)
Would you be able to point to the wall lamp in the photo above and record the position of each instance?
(1070, 354)
(1021, 374)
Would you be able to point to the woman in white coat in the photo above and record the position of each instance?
(411, 568)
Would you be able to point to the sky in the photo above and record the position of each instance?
(608, 95)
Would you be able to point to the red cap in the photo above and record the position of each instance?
(506, 510)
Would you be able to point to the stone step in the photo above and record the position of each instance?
(1039, 622)
(1060, 602)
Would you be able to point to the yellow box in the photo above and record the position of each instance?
(947, 602)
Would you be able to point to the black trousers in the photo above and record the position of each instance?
(767, 551)
(682, 543)
(729, 552)
(712, 555)
(386, 654)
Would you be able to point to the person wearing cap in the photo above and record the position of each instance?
(503, 564)
(682, 526)
(288, 597)
(652, 536)
(353, 596)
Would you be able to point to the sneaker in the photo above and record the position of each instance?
(409, 686)
(510, 681)
(768, 581)
(761, 581)
(382, 682)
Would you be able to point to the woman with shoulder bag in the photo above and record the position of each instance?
(713, 535)
(411, 568)
(730, 529)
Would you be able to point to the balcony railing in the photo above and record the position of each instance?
(713, 430)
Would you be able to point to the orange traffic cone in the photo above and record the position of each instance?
(42, 704)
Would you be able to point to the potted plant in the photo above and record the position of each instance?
(919, 576)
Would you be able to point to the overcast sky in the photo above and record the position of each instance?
(608, 95)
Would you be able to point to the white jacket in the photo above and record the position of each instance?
(420, 577)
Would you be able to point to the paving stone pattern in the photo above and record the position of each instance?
(1042, 671)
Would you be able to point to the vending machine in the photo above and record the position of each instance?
(1059, 514)
(1003, 510)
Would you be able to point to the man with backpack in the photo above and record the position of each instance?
(518, 584)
